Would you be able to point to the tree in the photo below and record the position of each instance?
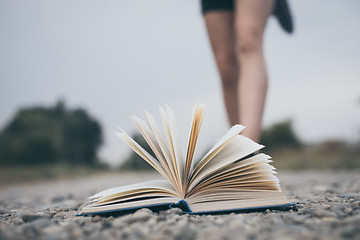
(280, 135)
(47, 135)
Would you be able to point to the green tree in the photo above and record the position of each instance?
(280, 135)
(47, 135)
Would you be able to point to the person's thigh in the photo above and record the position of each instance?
(220, 27)
(250, 19)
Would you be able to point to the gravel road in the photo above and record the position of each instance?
(328, 206)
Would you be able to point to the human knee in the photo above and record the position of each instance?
(248, 41)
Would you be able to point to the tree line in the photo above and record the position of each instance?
(48, 135)
(278, 136)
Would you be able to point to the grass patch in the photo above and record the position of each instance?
(19, 174)
(317, 157)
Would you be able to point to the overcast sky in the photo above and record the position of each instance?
(115, 58)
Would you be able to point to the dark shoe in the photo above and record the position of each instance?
(282, 12)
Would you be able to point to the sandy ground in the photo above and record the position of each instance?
(328, 208)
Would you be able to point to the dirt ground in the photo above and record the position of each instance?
(328, 206)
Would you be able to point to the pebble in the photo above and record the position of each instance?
(141, 215)
(119, 223)
(4, 211)
(54, 232)
(31, 216)
(355, 205)
(58, 198)
(41, 223)
(323, 212)
(172, 211)
(350, 231)
(65, 215)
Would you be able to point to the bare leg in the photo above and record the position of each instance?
(250, 21)
(220, 27)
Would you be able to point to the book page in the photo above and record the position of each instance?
(241, 166)
(164, 148)
(152, 140)
(134, 195)
(245, 172)
(194, 134)
(142, 153)
(256, 175)
(235, 149)
(173, 141)
(264, 182)
(235, 201)
(233, 132)
(155, 186)
(129, 205)
(230, 194)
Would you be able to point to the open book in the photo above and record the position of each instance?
(232, 176)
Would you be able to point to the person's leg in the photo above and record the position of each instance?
(220, 27)
(250, 21)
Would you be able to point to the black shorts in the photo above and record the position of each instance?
(217, 5)
(281, 11)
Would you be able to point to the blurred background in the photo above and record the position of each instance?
(72, 72)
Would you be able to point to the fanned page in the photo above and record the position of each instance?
(159, 192)
(170, 123)
(236, 148)
(243, 184)
(232, 133)
(159, 147)
(194, 134)
(142, 153)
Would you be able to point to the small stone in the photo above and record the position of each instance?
(65, 215)
(142, 215)
(350, 231)
(174, 211)
(119, 223)
(320, 213)
(348, 211)
(356, 212)
(339, 213)
(17, 221)
(58, 199)
(95, 235)
(54, 232)
(97, 218)
(353, 220)
(152, 221)
(220, 221)
(295, 218)
(307, 211)
(345, 195)
(30, 230)
(41, 223)
(4, 211)
(355, 205)
(31, 216)
(106, 224)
